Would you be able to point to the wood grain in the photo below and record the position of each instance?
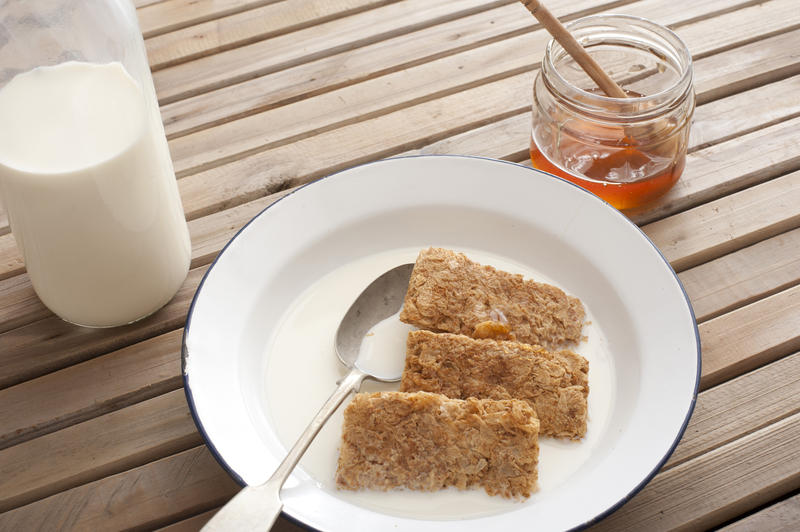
(305, 159)
(162, 16)
(463, 39)
(742, 277)
(723, 119)
(19, 304)
(331, 146)
(657, 9)
(761, 62)
(11, 262)
(728, 167)
(195, 523)
(169, 489)
(226, 142)
(718, 485)
(142, 3)
(740, 406)
(227, 32)
(783, 516)
(93, 388)
(718, 227)
(102, 446)
(249, 61)
(52, 344)
(750, 336)
(782, 15)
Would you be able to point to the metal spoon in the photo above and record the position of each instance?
(257, 507)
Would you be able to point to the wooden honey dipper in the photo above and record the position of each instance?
(574, 49)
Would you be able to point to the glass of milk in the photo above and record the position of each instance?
(85, 172)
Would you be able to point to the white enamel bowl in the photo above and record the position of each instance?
(574, 238)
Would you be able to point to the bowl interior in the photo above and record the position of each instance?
(573, 238)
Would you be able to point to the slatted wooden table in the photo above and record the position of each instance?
(259, 96)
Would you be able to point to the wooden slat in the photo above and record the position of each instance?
(308, 158)
(397, 92)
(750, 336)
(231, 140)
(225, 33)
(723, 119)
(754, 61)
(193, 524)
(11, 262)
(718, 227)
(142, 3)
(740, 406)
(246, 62)
(96, 448)
(386, 57)
(766, 105)
(710, 173)
(267, 170)
(161, 16)
(782, 14)
(729, 166)
(96, 387)
(743, 277)
(18, 303)
(147, 497)
(718, 485)
(757, 63)
(261, 58)
(51, 344)
(211, 233)
(783, 516)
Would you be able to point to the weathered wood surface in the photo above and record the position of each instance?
(259, 96)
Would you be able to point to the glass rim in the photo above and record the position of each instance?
(653, 103)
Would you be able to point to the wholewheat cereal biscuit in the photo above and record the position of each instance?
(450, 293)
(425, 441)
(554, 383)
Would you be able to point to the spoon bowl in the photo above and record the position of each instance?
(379, 301)
(256, 508)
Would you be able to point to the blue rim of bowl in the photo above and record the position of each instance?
(218, 457)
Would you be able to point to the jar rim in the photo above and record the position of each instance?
(599, 101)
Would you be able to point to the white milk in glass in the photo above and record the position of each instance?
(88, 184)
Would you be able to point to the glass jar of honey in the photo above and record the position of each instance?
(629, 151)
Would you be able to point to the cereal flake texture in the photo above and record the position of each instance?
(450, 293)
(555, 383)
(425, 441)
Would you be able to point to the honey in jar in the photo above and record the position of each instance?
(629, 151)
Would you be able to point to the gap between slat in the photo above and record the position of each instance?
(238, 7)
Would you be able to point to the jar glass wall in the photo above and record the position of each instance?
(629, 151)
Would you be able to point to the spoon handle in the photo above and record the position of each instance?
(256, 508)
